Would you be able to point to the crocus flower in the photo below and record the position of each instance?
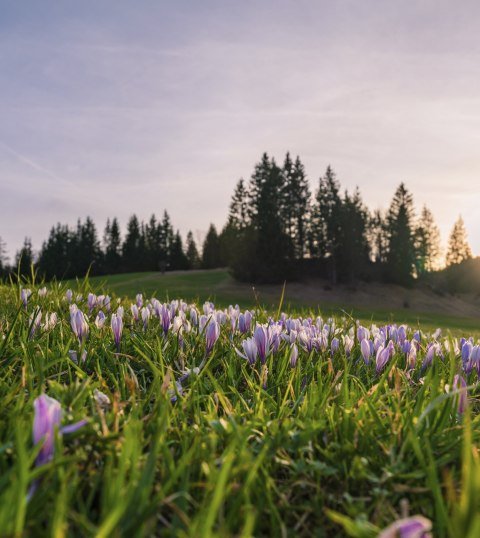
(262, 340)
(366, 350)
(35, 322)
(117, 328)
(460, 384)
(134, 311)
(100, 320)
(42, 292)
(74, 356)
(165, 318)
(102, 400)
(91, 301)
(348, 345)
(334, 346)
(69, 295)
(139, 300)
(245, 322)
(250, 351)
(79, 324)
(409, 527)
(48, 414)
(24, 295)
(212, 332)
(412, 358)
(145, 312)
(383, 355)
(293, 356)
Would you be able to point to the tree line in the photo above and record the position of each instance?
(276, 229)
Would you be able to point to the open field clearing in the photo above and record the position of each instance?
(150, 418)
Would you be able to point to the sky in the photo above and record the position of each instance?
(112, 108)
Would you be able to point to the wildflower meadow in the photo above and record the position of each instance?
(155, 417)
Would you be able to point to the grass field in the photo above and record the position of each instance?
(148, 421)
(219, 287)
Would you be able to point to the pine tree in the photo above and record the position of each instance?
(178, 258)
(377, 234)
(166, 242)
(238, 214)
(326, 221)
(268, 247)
(295, 205)
(354, 253)
(427, 243)
(131, 248)
(211, 249)
(401, 245)
(24, 258)
(87, 257)
(113, 243)
(192, 252)
(458, 247)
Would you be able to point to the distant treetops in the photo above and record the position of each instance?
(276, 229)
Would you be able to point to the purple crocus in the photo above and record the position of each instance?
(409, 527)
(245, 322)
(250, 350)
(139, 300)
(24, 295)
(262, 340)
(134, 311)
(212, 332)
(117, 328)
(91, 301)
(293, 356)
(100, 320)
(47, 418)
(165, 317)
(145, 313)
(460, 384)
(79, 323)
(383, 356)
(335, 345)
(366, 350)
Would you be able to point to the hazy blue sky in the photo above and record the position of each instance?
(110, 107)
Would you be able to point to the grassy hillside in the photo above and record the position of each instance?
(219, 287)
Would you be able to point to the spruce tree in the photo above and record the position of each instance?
(238, 214)
(268, 244)
(327, 221)
(178, 258)
(354, 253)
(427, 243)
(131, 248)
(458, 247)
(295, 205)
(166, 242)
(24, 258)
(88, 252)
(377, 234)
(112, 244)
(211, 249)
(192, 252)
(401, 244)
